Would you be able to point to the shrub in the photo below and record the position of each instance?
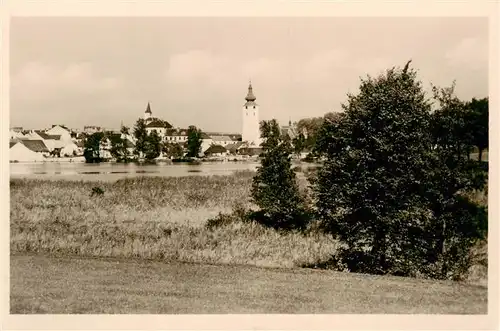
(96, 191)
(219, 220)
(92, 147)
(274, 188)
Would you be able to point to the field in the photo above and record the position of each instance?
(147, 244)
(154, 218)
(42, 284)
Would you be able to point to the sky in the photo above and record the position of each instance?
(195, 71)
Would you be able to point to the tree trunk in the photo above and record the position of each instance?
(379, 250)
(480, 157)
(444, 267)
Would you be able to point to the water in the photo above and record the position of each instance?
(115, 171)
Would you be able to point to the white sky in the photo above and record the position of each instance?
(102, 71)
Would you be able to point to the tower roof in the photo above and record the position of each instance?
(250, 96)
(148, 109)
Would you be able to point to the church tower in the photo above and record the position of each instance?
(148, 113)
(251, 130)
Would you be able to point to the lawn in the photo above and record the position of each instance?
(62, 285)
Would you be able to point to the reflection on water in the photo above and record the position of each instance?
(115, 171)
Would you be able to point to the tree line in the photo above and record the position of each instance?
(394, 179)
(470, 125)
(147, 146)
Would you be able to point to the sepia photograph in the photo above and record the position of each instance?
(248, 165)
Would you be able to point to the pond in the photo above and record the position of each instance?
(114, 171)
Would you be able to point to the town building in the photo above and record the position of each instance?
(233, 136)
(154, 123)
(90, 129)
(290, 129)
(176, 135)
(233, 148)
(70, 150)
(19, 152)
(222, 140)
(28, 151)
(250, 119)
(60, 130)
(216, 150)
(16, 134)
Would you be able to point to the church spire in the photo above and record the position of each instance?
(250, 96)
(148, 109)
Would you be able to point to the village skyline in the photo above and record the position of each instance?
(198, 75)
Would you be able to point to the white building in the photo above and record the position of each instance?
(250, 122)
(20, 153)
(155, 124)
(177, 135)
(148, 114)
(15, 134)
(64, 133)
(206, 142)
(222, 140)
(71, 150)
(33, 135)
(90, 129)
(28, 151)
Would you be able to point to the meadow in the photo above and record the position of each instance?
(179, 245)
(159, 218)
(42, 284)
(166, 219)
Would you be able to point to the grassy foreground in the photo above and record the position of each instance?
(164, 219)
(47, 284)
(153, 218)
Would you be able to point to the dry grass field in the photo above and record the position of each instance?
(72, 285)
(154, 218)
(144, 246)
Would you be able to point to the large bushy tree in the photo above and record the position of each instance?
(274, 187)
(92, 147)
(479, 123)
(310, 128)
(459, 221)
(153, 146)
(382, 189)
(194, 141)
(299, 143)
(118, 149)
(119, 146)
(172, 149)
(451, 123)
(141, 136)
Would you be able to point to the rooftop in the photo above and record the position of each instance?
(222, 138)
(215, 149)
(158, 123)
(35, 145)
